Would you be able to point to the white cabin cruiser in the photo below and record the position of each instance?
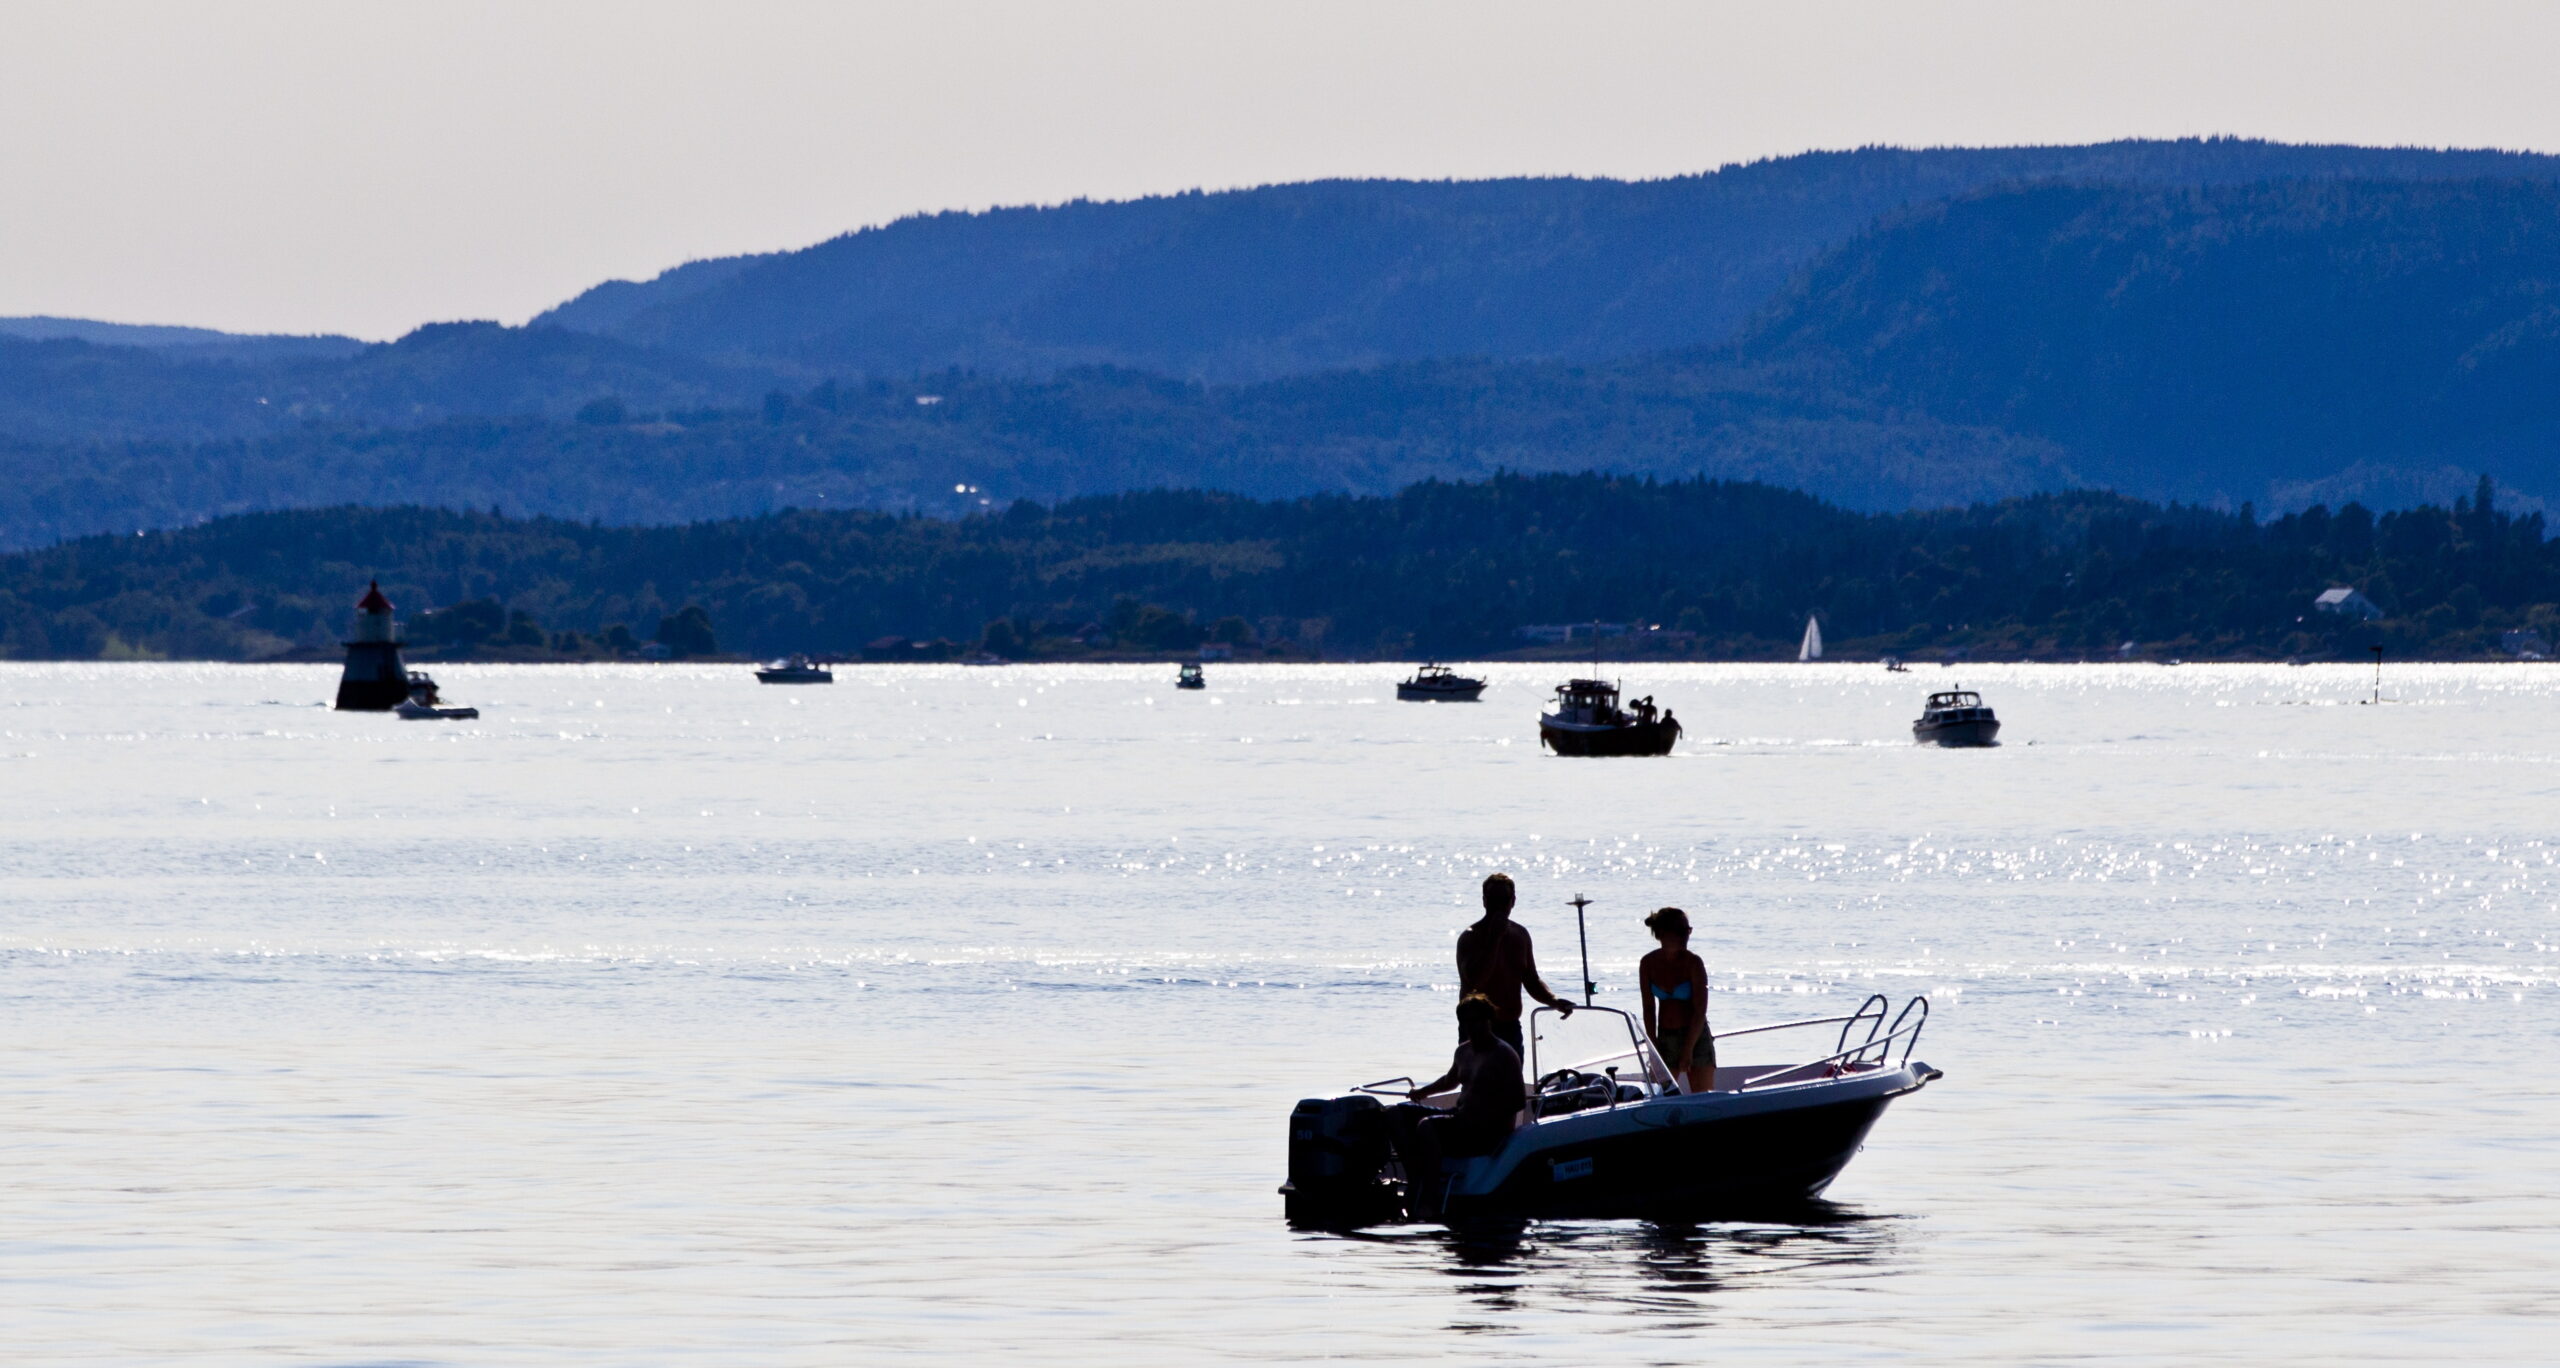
(795, 669)
(1437, 683)
(1614, 1137)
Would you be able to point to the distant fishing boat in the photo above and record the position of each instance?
(1190, 677)
(1588, 721)
(1812, 647)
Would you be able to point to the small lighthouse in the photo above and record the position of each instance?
(374, 680)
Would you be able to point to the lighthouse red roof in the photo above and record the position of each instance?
(373, 601)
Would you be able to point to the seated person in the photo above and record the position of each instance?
(1487, 1074)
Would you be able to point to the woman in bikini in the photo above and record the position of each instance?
(1675, 1003)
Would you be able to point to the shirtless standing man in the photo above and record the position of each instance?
(1494, 959)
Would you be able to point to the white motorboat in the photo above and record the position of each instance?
(1436, 683)
(1956, 717)
(795, 669)
(1613, 1137)
(426, 704)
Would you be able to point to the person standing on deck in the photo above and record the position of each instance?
(1495, 959)
(1674, 983)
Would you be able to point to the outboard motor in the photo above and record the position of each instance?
(1338, 1154)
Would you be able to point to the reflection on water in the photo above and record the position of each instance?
(953, 1016)
(1656, 1275)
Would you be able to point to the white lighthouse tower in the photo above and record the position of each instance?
(374, 680)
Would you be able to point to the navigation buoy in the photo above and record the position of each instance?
(374, 680)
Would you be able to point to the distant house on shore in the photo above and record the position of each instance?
(2349, 603)
(2524, 644)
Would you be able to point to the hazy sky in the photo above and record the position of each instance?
(351, 167)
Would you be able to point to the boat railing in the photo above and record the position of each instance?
(1874, 1050)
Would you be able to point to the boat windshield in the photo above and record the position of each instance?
(1965, 699)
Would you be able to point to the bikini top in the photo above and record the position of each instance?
(1679, 994)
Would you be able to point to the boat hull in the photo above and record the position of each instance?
(1465, 694)
(795, 677)
(1984, 732)
(1637, 738)
(1693, 1156)
(1736, 1164)
(421, 712)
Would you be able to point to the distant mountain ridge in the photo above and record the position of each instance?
(69, 390)
(2168, 332)
(198, 343)
(1287, 279)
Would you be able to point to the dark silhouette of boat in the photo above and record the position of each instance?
(1614, 1138)
(1190, 678)
(1588, 721)
(798, 669)
(1439, 684)
(1956, 718)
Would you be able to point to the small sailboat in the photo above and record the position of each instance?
(1812, 647)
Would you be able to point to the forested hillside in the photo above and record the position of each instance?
(1723, 569)
(1086, 432)
(65, 390)
(1287, 279)
(2287, 341)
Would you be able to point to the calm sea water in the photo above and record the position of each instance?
(660, 1017)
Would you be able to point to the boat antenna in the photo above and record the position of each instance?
(2377, 673)
(1582, 928)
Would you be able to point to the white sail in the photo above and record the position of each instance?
(1812, 648)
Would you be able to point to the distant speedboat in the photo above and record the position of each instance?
(1894, 664)
(1190, 678)
(797, 669)
(1588, 721)
(425, 702)
(1614, 1138)
(1439, 684)
(1956, 718)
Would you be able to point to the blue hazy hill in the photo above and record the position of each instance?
(2169, 333)
(1286, 279)
(2284, 342)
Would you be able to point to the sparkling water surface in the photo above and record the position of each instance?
(660, 1017)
